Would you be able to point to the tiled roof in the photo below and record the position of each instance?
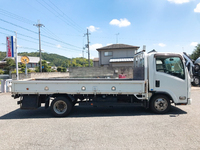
(118, 46)
(126, 59)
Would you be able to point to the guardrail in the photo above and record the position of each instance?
(6, 85)
(4, 76)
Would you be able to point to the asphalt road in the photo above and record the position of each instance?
(100, 128)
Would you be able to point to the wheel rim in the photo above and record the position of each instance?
(161, 104)
(196, 67)
(60, 107)
(196, 81)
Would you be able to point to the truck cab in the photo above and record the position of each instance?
(169, 76)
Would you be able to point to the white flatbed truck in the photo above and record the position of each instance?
(159, 79)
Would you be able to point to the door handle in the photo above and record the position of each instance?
(157, 83)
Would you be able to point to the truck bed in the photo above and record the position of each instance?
(78, 86)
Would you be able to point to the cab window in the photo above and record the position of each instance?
(170, 65)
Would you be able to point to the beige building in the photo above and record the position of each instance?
(117, 55)
(33, 61)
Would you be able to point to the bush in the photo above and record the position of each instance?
(52, 70)
(1, 71)
(61, 69)
(15, 71)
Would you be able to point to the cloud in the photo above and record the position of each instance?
(58, 46)
(120, 23)
(161, 44)
(194, 43)
(93, 47)
(93, 51)
(92, 28)
(179, 1)
(197, 9)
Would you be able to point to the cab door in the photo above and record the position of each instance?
(170, 77)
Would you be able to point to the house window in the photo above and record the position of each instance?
(108, 53)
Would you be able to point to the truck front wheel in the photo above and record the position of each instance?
(195, 81)
(196, 67)
(160, 104)
(61, 107)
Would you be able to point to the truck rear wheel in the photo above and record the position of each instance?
(160, 104)
(61, 107)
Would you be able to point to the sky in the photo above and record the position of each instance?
(163, 25)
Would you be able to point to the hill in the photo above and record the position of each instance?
(54, 59)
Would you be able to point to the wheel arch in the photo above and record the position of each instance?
(68, 96)
(161, 93)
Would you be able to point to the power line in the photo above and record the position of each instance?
(22, 19)
(46, 30)
(19, 18)
(57, 14)
(69, 22)
(16, 17)
(66, 16)
(22, 47)
(37, 33)
(18, 26)
(63, 48)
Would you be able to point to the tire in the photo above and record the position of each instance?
(61, 107)
(160, 104)
(195, 81)
(196, 67)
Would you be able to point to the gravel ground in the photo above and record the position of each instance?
(100, 128)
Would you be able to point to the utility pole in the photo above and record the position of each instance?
(87, 46)
(117, 38)
(39, 25)
(83, 52)
(16, 56)
(83, 55)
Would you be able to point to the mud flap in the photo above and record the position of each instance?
(30, 102)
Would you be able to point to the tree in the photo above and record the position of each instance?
(23, 67)
(2, 55)
(1, 71)
(61, 69)
(77, 62)
(10, 65)
(45, 67)
(64, 69)
(196, 53)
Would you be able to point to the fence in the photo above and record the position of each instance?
(41, 75)
(6, 85)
